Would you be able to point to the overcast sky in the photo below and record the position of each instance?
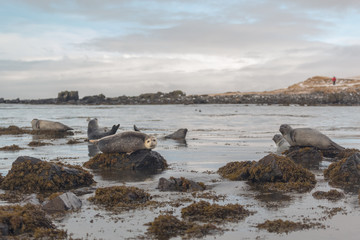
(125, 47)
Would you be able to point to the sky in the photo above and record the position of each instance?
(130, 47)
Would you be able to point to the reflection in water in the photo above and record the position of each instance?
(93, 150)
(274, 199)
(125, 176)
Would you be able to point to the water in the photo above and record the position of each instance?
(218, 134)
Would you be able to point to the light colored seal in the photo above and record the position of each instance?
(307, 137)
(95, 132)
(125, 142)
(281, 143)
(44, 125)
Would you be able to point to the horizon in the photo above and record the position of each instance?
(199, 47)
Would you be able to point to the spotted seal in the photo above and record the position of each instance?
(307, 137)
(125, 142)
(95, 132)
(281, 143)
(45, 125)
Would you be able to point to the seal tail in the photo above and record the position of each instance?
(337, 146)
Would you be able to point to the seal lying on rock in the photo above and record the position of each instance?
(44, 125)
(281, 143)
(95, 132)
(126, 142)
(307, 137)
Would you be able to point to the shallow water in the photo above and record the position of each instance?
(218, 134)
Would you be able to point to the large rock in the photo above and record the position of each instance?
(272, 172)
(30, 174)
(66, 96)
(140, 160)
(64, 202)
(346, 172)
(307, 157)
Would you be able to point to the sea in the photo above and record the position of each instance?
(217, 135)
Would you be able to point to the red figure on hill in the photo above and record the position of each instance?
(334, 80)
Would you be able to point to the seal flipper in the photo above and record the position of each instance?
(136, 128)
(114, 128)
(94, 141)
(337, 146)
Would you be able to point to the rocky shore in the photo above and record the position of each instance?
(313, 91)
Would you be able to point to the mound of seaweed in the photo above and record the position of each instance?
(13, 130)
(206, 212)
(120, 197)
(28, 219)
(139, 160)
(344, 173)
(272, 172)
(332, 195)
(281, 226)
(11, 148)
(168, 226)
(180, 185)
(30, 174)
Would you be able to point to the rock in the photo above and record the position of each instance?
(179, 185)
(272, 172)
(140, 160)
(344, 173)
(308, 157)
(30, 174)
(66, 96)
(64, 202)
(4, 230)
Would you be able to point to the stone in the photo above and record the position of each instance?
(64, 202)
(179, 185)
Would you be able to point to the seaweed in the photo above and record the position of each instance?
(236, 171)
(105, 160)
(13, 130)
(11, 148)
(73, 141)
(29, 219)
(180, 184)
(332, 195)
(38, 144)
(205, 212)
(281, 226)
(120, 197)
(33, 175)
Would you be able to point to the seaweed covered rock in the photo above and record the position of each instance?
(139, 160)
(206, 212)
(307, 157)
(120, 197)
(236, 171)
(344, 173)
(272, 172)
(180, 185)
(28, 219)
(63, 202)
(13, 130)
(30, 174)
(11, 148)
(332, 195)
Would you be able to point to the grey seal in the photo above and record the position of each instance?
(95, 132)
(307, 137)
(125, 142)
(180, 134)
(281, 143)
(45, 125)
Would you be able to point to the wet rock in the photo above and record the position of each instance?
(30, 174)
(272, 172)
(307, 157)
(139, 160)
(180, 185)
(64, 202)
(344, 173)
(332, 195)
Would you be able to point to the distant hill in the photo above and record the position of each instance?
(316, 84)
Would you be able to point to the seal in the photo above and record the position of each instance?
(44, 125)
(307, 137)
(180, 134)
(95, 132)
(125, 142)
(281, 143)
